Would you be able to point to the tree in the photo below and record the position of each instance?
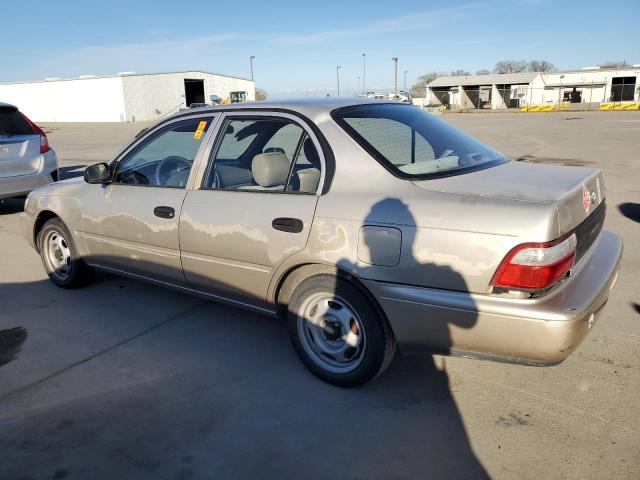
(541, 66)
(615, 64)
(459, 73)
(511, 66)
(419, 89)
(483, 71)
(261, 94)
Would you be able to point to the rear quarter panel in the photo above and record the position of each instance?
(448, 241)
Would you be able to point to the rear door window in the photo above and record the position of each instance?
(235, 144)
(265, 154)
(285, 140)
(305, 174)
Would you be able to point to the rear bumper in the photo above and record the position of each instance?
(23, 184)
(16, 186)
(538, 331)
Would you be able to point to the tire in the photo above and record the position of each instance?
(60, 256)
(338, 332)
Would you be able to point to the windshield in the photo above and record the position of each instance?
(412, 143)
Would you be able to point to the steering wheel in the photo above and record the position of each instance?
(162, 176)
(133, 177)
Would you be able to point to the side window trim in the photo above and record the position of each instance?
(296, 154)
(151, 133)
(216, 135)
(221, 130)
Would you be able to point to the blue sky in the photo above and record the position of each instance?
(298, 45)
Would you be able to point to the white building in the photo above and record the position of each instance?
(125, 97)
(592, 86)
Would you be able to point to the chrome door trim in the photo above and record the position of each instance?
(202, 157)
(140, 247)
(254, 267)
(211, 296)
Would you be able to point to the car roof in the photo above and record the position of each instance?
(309, 107)
(8, 105)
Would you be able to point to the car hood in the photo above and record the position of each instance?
(575, 191)
(70, 186)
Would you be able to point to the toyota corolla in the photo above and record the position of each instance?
(365, 225)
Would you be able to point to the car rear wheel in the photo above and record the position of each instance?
(59, 255)
(338, 332)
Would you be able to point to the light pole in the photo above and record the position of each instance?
(364, 71)
(338, 78)
(405, 81)
(560, 92)
(395, 76)
(251, 64)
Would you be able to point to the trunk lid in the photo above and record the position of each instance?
(19, 144)
(576, 192)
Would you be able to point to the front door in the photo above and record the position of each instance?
(131, 224)
(253, 208)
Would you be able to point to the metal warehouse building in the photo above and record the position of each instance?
(125, 97)
(590, 87)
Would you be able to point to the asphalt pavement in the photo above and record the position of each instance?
(122, 380)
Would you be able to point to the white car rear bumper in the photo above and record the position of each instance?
(23, 184)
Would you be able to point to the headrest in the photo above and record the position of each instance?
(270, 169)
(311, 153)
(308, 180)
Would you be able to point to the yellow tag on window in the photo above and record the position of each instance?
(200, 130)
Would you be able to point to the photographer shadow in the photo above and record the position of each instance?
(415, 382)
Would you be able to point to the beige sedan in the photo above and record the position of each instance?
(365, 225)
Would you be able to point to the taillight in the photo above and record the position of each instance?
(44, 141)
(536, 266)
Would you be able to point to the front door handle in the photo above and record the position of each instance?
(164, 212)
(285, 224)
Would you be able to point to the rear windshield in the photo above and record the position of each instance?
(412, 143)
(13, 123)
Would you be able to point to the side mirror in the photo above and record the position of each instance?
(98, 173)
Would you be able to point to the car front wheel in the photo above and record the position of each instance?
(59, 255)
(338, 332)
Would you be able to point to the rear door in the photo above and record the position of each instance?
(19, 145)
(253, 206)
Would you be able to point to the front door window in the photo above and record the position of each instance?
(165, 158)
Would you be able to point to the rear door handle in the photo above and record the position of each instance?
(285, 224)
(164, 212)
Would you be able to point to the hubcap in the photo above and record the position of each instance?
(57, 255)
(331, 332)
